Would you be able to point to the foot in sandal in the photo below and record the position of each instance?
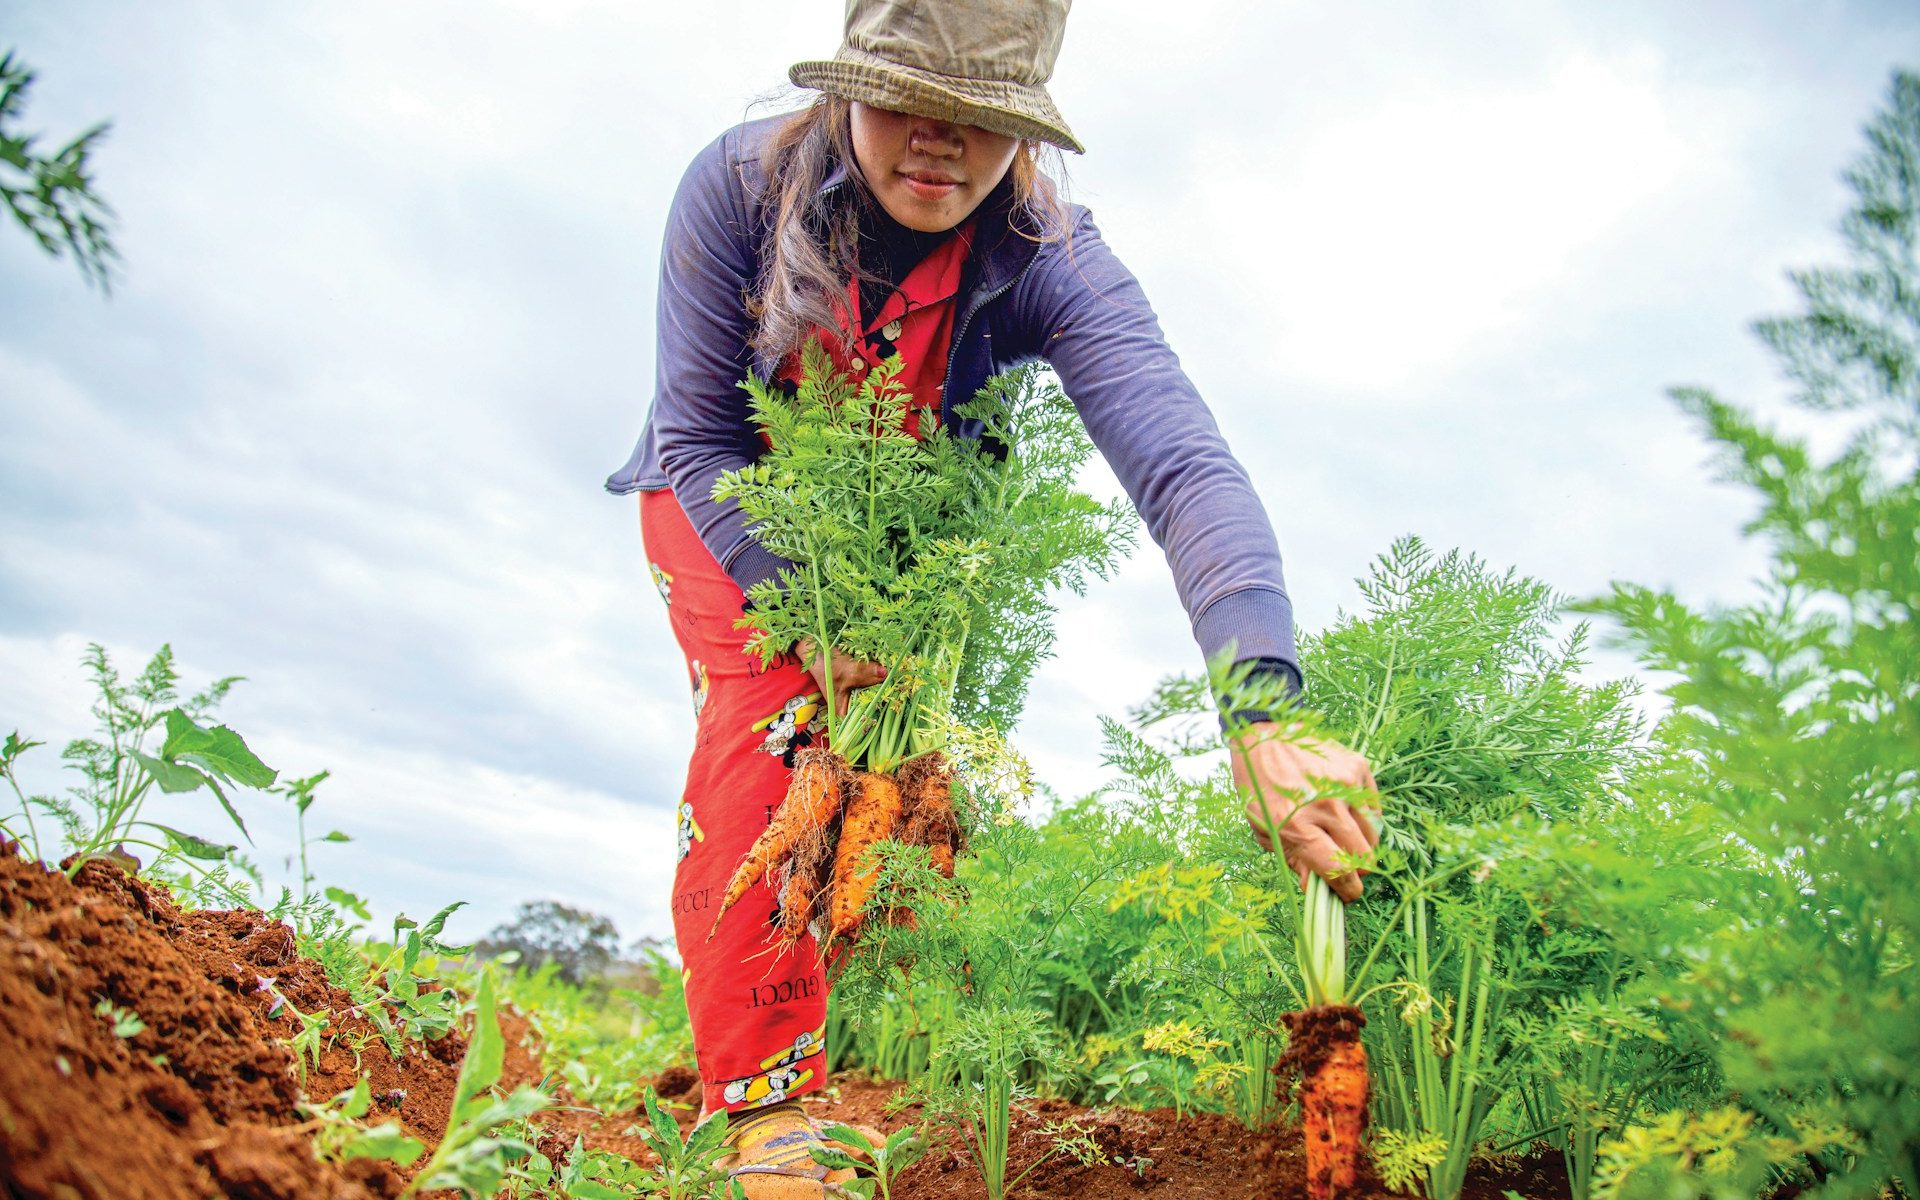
(773, 1155)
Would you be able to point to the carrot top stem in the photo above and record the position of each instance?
(1321, 944)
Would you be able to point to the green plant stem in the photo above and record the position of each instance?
(12, 836)
(1321, 944)
(823, 646)
(123, 812)
(300, 828)
(1447, 1086)
(26, 810)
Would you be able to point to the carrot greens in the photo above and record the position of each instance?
(932, 556)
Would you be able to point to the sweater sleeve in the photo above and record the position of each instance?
(1145, 415)
(701, 420)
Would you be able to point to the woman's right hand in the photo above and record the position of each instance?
(849, 672)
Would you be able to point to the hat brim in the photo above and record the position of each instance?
(1014, 109)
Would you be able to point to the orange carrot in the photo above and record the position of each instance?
(1335, 1106)
(931, 821)
(1324, 1046)
(942, 854)
(872, 815)
(813, 797)
(796, 906)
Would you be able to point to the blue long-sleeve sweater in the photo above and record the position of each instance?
(1067, 300)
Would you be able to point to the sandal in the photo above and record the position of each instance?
(772, 1155)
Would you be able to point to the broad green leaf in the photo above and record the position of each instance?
(220, 750)
(191, 846)
(179, 777)
(355, 1103)
(336, 836)
(431, 932)
(386, 1141)
(665, 1128)
(347, 900)
(439, 920)
(907, 1139)
(171, 777)
(490, 1112)
(837, 1159)
(707, 1135)
(485, 1053)
(847, 1134)
(587, 1189)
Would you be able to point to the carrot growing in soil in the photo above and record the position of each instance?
(1324, 1050)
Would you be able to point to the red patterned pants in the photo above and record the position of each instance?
(759, 1017)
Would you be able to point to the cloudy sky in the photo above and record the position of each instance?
(385, 326)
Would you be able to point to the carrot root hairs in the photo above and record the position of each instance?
(812, 800)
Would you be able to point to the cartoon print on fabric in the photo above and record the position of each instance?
(664, 582)
(787, 730)
(690, 831)
(780, 1072)
(701, 685)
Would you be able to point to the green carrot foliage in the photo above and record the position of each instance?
(932, 556)
(1791, 758)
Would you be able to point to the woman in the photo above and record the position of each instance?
(904, 212)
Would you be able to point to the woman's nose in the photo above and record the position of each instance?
(929, 136)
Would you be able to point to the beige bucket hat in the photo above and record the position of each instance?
(972, 62)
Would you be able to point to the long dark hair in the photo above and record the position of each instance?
(809, 256)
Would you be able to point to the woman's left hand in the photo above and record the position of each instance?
(1278, 774)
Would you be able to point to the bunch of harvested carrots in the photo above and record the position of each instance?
(824, 833)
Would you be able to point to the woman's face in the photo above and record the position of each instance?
(928, 174)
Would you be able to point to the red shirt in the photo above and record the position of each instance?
(915, 322)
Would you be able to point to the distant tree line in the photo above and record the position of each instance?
(583, 945)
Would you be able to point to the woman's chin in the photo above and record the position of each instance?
(925, 215)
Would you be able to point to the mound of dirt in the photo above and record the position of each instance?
(201, 1101)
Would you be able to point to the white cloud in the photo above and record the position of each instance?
(427, 828)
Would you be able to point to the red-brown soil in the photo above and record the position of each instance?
(1151, 1155)
(202, 1102)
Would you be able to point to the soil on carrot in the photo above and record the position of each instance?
(201, 1101)
(1312, 1036)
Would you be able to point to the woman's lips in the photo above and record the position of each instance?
(929, 187)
